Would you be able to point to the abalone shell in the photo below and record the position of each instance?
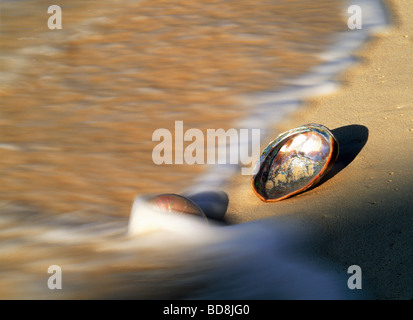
(174, 203)
(295, 161)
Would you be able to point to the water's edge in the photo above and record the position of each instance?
(320, 80)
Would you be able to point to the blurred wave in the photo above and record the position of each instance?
(248, 261)
(80, 104)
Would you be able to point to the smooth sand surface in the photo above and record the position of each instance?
(362, 212)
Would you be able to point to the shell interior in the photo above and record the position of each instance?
(294, 162)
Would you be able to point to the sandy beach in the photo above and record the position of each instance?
(361, 213)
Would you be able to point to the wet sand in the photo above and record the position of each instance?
(362, 212)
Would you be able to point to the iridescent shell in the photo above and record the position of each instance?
(294, 162)
(174, 203)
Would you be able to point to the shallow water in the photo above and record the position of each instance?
(79, 105)
(78, 109)
(256, 260)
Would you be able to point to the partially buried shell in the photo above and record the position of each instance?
(176, 204)
(294, 162)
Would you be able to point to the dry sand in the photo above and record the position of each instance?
(362, 213)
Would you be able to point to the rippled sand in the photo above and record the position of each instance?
(79, 105)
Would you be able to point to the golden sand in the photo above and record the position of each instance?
(362, 214)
